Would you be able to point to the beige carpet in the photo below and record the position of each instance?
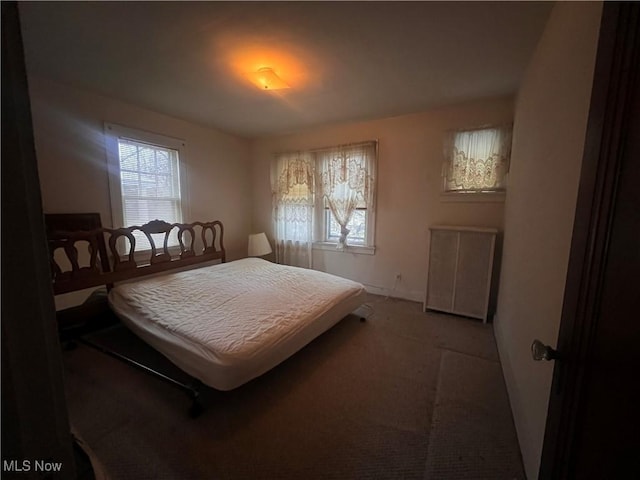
(357, 403)
(463, 443)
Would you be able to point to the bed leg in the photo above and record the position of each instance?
(69, 345)
(196, 408)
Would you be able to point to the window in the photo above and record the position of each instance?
(145, 179)
(357, 227)
(294, 197)
(346, 184)
(477, 160)
(324, 196)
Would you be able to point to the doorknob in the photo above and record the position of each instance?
(540, 351)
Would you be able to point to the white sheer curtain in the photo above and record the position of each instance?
(346, 182)
(292, 181)
(477, 160)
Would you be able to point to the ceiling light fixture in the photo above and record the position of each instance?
(266, 79)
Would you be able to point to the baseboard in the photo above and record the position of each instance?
(414, 296)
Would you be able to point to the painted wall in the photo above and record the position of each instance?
(408, 195)
(549, 132)
(68, 128)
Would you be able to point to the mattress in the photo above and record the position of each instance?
(229, 323)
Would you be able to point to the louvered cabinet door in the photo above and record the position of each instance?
(460, 270)
(473, 274)
(442, 270)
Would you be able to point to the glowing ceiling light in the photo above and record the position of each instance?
(266, 79)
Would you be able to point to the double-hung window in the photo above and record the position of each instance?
(145, 180)
(347, 187)
(477, 161)
(325, 198)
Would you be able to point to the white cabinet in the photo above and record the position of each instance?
(460, 270)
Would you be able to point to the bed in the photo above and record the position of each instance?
(227, 324)
(223, 323)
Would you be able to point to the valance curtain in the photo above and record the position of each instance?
(477, 160)
(346, 180)
(293, 184)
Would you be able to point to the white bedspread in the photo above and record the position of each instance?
(226, 324)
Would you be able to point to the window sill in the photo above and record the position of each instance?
(473, 197)
(331, 247)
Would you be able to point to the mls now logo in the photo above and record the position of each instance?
(28, 465)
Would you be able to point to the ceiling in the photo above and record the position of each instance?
(343, 61)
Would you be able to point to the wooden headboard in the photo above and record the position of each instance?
(83, 257)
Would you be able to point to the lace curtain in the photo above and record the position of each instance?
(343, 178)
(477, 160)
(346, 181)
(292, 182)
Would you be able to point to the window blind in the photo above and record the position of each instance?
(150, 186)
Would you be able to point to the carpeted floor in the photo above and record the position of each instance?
(403, 395)
(472, 434)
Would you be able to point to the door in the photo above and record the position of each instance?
(593, 426)
(35, 424)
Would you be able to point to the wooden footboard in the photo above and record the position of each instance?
(78, 257)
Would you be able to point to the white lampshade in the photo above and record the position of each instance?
(258, 245)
